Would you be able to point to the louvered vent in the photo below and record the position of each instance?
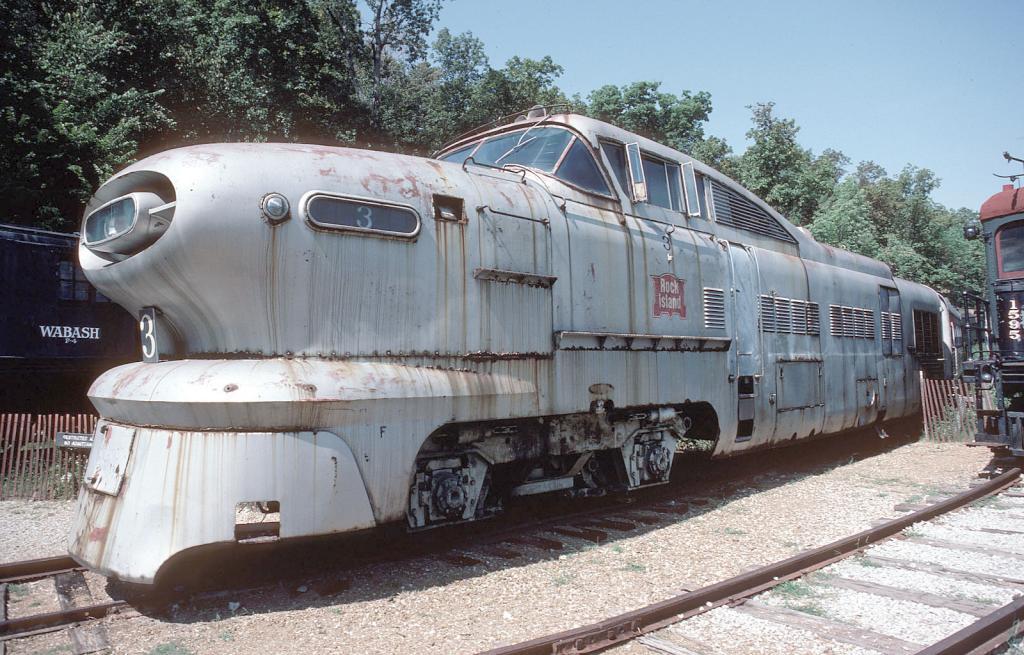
(799, 316)
(853, 322)
(897, 326)
(813, 318)
(790, 316)
(835, 320)
(714, 309)
(783, 316)
(767, 313)
(738, 211)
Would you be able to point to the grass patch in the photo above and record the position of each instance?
(562, 579)
(795, 589)
(812, 608)
(634, 568)
(170, 648)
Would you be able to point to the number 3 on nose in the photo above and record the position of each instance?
(147, 333)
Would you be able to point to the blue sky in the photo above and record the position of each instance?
(937, 84)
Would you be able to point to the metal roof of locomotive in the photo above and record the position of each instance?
(595, 130)
(1006, 202)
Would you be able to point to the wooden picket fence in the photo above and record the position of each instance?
(31, 464)
(948, 407)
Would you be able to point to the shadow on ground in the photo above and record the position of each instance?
(267, 578)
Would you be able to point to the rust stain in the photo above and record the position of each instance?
(407, 187)
(98, 534)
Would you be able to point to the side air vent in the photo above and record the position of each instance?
(714, 309)
(738, 211)
(789, 316)
(854, 322)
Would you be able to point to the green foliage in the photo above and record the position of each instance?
(787, 176)
(844, 220)
(86, 87)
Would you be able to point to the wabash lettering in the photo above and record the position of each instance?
(668, 295)
(69, 333)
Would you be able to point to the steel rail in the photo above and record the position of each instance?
(18, 627)
(988, 634)
(32, 569)
(619, 629)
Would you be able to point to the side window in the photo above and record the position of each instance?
(616, 155)
(1010, 250)
(72, 282)
(692, 197)
(891, 321)
(579, 168)
(927, 338)
(662, 183)
(657, 183)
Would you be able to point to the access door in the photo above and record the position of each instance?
(747, 366)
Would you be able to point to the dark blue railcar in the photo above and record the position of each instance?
(57, 332)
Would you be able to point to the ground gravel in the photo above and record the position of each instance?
(427, 605)
(923, 582)
(34, 528)
(951, 558)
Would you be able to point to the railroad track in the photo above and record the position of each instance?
(654, 624)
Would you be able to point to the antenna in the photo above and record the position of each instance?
(1009, 158)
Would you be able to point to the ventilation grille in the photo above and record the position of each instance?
(892, 326)
(738, 211)
(853, 322)
(789, 316)
(714, 309)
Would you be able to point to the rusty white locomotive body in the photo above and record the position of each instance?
(360, 338)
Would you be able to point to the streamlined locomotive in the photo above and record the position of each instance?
(354, 338)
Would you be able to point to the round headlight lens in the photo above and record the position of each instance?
(275, 207)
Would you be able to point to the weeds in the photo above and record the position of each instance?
(170, 648)
(795, 589)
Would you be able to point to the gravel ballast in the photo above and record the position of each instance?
(427, 605)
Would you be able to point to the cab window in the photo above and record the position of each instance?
(616, 155)
(1010, 250)
(579, 168)
(662, 182)
(539, 148)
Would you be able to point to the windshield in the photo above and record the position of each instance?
(539, 148)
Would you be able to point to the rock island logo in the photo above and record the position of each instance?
(69, 333)
(668, 295)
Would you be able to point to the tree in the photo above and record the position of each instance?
(400, 27)
(69, 118)
(844, 221)
(641, 107)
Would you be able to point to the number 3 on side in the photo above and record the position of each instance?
(147, 332)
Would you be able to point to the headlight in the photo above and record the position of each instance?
(127, 224)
